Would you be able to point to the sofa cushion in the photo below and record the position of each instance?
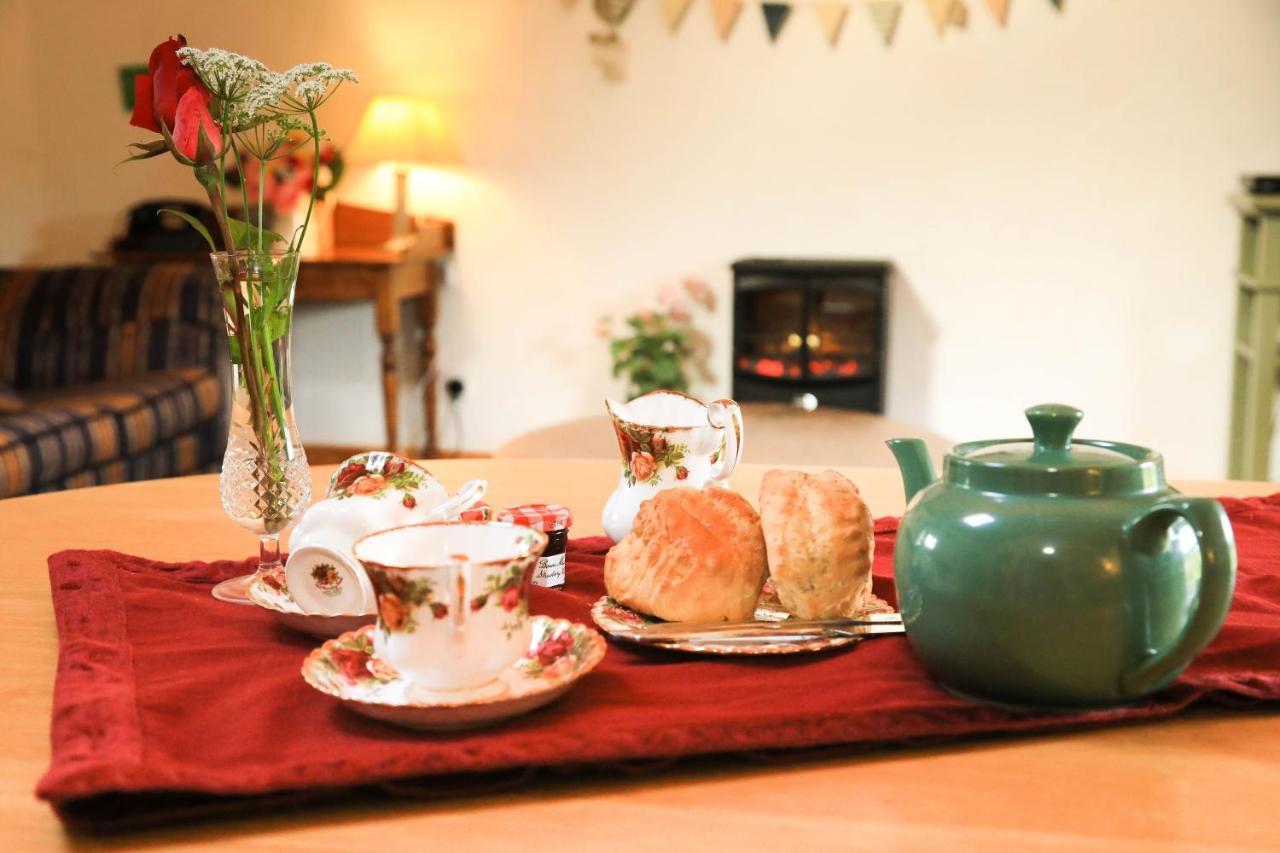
(64, 431)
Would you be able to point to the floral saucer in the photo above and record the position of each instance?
(269, 591)
(613, 617)
(560, 652)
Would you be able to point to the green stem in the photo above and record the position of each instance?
(315, 181)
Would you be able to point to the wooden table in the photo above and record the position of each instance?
(1205, 779)
(388, 279)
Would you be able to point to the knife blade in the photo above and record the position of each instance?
(683, 629)
(762, 632)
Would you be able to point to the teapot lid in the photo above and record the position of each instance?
(1051, 462)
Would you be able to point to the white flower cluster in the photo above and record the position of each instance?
(313, 81)
(228, 75)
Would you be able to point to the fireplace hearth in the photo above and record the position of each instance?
(811, 333)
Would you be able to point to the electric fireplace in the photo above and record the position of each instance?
(810, 332)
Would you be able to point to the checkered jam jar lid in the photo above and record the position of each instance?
(544, 517)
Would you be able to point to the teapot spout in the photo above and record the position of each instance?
(914, 463)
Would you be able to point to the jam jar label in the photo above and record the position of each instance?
(550, 571)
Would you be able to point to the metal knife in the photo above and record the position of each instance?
(787, 630)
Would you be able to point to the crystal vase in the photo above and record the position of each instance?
(265, 483)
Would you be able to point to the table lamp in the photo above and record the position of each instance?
(405, 132)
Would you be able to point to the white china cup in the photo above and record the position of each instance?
(452, 599)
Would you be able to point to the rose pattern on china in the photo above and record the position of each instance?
(400, 599)
(326, 578)
(648, 453)
(377, 475)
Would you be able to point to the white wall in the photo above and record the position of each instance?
(1053, 195)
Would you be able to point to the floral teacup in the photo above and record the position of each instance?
(453, 607)
(368, 492)
(668, 439)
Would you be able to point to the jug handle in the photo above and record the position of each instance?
(727, 415)
(1217, 584)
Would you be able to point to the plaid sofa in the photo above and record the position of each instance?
(121, 372)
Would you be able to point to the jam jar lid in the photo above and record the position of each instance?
(545, 517)
(1052, 462)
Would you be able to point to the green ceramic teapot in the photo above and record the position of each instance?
(1057, 572)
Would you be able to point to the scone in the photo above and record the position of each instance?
(820, 540)
(692, 555)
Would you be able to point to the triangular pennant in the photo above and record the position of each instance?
(673, 11)
(831, 17)
(775, 17)
(959, 15)
(940, 11)
(1057, 4)
(885, 14)
(724, 13)
(999, 10)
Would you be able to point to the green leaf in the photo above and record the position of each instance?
(194, 223)
(245, 234)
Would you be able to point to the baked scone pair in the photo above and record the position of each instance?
(703, 555)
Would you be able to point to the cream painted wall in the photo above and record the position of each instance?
(1053, 195)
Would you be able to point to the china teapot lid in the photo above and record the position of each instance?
(1052, 462)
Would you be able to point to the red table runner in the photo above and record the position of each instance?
(170, 704)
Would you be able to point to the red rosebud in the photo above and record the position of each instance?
(192, 117)
(659, 443)
(156, 97)
(439, 610)
(682, 473)
(478, 602)
(393, 466)
(511, 599)
(409, 501)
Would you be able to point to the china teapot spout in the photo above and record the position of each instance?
(914, 463)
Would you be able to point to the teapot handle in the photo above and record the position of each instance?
(727, 415)
(1217, 584)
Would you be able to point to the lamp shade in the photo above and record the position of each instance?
(404, 131)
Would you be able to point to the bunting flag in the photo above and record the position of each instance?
(775, 17)
(999, 11)
(831, 17)
(885, 15)
(724, 13)
(940, 11)
(673, 11)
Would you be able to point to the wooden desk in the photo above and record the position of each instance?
(1205, 779)
(387, 280)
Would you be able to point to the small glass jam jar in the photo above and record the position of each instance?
(553, 520)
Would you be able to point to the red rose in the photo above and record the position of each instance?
(391, 611)
(192, 118)
(552, 649)
(659, 443)
(349, 475)
(439, 610)
(353, 664)
(642, 465)
(393, 466)
(409, 501)
(682, 473)
(164, 96)
(368, 485)
(511, 599)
